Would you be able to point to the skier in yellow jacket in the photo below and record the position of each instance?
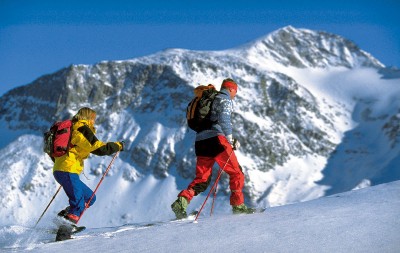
(67, 168)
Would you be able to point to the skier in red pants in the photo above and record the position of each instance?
(215, 145)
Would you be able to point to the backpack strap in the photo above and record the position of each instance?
(191, 108)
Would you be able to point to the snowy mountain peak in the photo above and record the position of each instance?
(304, 48)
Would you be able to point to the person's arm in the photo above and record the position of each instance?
(88, 141)
(224, 115)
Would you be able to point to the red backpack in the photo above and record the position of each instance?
(57, 141)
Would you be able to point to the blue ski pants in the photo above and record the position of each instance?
(77, 192)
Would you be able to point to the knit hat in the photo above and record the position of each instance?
(230, 84)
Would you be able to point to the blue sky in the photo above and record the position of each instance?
(41, 37)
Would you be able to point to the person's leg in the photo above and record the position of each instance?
(87, 194)
(63, 179)
(228, 161)
(206, 150)
(76, 191)
(198, 185)
(202, 179)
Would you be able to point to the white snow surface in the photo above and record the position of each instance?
(365, 220)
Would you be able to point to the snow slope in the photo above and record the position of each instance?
(365, 220)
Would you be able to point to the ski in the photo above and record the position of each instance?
(65, 232)
(77, 229)
(258, 210)
(254, 210)
(190, 216)
(65, 228)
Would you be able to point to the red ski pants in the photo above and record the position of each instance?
(216, 149)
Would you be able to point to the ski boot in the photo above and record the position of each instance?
(71, 218)
(63, 212)
(179, 207)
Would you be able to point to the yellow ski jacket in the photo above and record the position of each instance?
(85, 142)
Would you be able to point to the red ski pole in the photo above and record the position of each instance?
(215, 195)
(214, 185)
(97, 187)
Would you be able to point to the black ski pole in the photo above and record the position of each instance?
(59, 188)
